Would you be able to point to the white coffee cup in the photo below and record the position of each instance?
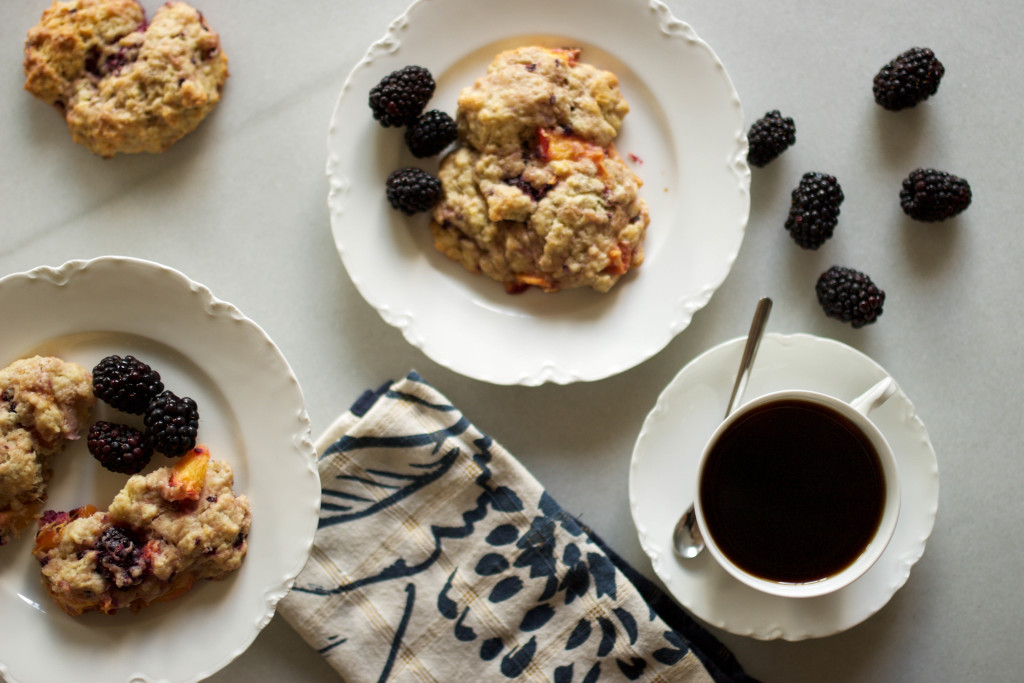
(776, 500)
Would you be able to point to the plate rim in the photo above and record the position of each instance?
(544, 370)
(899, 566)
(302, 453)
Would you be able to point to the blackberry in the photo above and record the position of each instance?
(401, 95)
(930, 195)
(119, 448)
(850, 296)
(120, 558)
(909, 79)
(411, 190)
(430, 133)
(172, 424)
(814, 210)
(769, 137)
(126, 383)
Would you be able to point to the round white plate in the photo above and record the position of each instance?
(663, 477)
(684, 136)
(252, 414)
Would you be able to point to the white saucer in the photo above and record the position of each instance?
(663, 470)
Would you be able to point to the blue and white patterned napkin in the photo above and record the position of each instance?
(440, 558)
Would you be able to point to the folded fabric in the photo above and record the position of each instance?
(440, 558)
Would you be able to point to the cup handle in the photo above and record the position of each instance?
(875, 396)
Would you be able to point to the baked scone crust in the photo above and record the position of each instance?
(535, 87)
(44, 402)
(125, 85)
(177, 541)
(537, 194)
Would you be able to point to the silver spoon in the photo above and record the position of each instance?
(686, 538)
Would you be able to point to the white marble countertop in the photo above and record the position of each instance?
(240, 205)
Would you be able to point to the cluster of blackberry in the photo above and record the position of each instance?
(120, 559)
(909, 79)
(930, 195)
(927, 194)
(412, 190)
(770, 136)
(119, 448)
(849, 295)
(430, 133)
(131, 386)
(401, 95)
(814, 209)
(399, 100)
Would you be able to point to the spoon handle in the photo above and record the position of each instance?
(764, 307)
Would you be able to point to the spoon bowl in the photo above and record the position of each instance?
(686, 538)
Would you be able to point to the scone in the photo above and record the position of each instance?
(537, 195)
(44, 402)
(124, 84)
(531, 88)
(163, 532)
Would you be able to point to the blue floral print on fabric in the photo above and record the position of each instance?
(535, 560)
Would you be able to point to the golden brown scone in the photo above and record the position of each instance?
(163, 532)
(537, 194)
(44, 402)
(122, 84)
(536, 87)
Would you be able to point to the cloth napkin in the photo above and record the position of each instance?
(439, 557)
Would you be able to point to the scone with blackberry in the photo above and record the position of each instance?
(537, 194)
(162, 533)
(122, 83)
(44, 402)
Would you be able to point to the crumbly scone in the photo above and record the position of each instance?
(124, 84)
(44, 402)
(534, 87)
(537, 194)
(163, 532)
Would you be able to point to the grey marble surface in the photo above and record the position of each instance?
(240, 205)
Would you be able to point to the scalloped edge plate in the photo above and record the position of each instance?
(662, 477)
(684, 136)
(252, 415)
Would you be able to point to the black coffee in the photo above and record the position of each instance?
(793, 492)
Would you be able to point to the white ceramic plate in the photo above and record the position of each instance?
(663, 478)
(684, 134)
(251, 414)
